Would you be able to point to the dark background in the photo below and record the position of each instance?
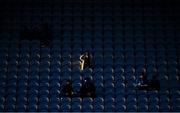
(129, 17)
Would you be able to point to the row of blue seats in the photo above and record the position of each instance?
(91, 107)
(122, 40)
(153, 97)
(99, 78)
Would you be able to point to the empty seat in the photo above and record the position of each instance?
(120, 108)
(131, 100)
(98, 107)
(143, 107)
(65, 108)
(65, 100)
(131, 108)
(76, 100)
(1, 108)
(76, 107)
(10, 107)
(21, 107)
(153, 108)
(164, 108)
(54, 108)
(87, 108)
(87, 100)
(43, 100)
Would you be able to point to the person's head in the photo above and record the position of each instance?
(86, 54)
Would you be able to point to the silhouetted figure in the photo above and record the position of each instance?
(67, 89)
(154, 83)
(88, 88)
(142, 83)
(43, 33)
(85, 60)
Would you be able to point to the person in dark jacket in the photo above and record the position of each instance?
(88, 88)
(67, 89)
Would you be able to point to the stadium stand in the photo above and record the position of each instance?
(124, 37)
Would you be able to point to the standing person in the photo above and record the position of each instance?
(85, 60)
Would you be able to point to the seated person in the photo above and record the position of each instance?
(88, 88)
(85, 60)
(154, 83)
(67, 89)
(142, 83)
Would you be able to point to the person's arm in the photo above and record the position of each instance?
(81, 62)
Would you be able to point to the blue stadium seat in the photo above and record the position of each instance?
(33, 99)
(153, 108)
(44, 91)
(98, 107)
(175, 108)
(65, 108)
(54, 100)
(98, 100)
(87, 108)
(76, 107)
(99, 88)
(65, 100)
(108, 101)
(143, 107)
(98, 61)
(21, 107)
(21, 99)
(1, 108)
(10, 107)
(42, 107)
(131, 99)
(54, 84)
(54, 108)
(154, 100)
(43, 100)
(131, 108)
(164, 107)
(109, 108)
(142, 99)
(87, 100)
(76, 100)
